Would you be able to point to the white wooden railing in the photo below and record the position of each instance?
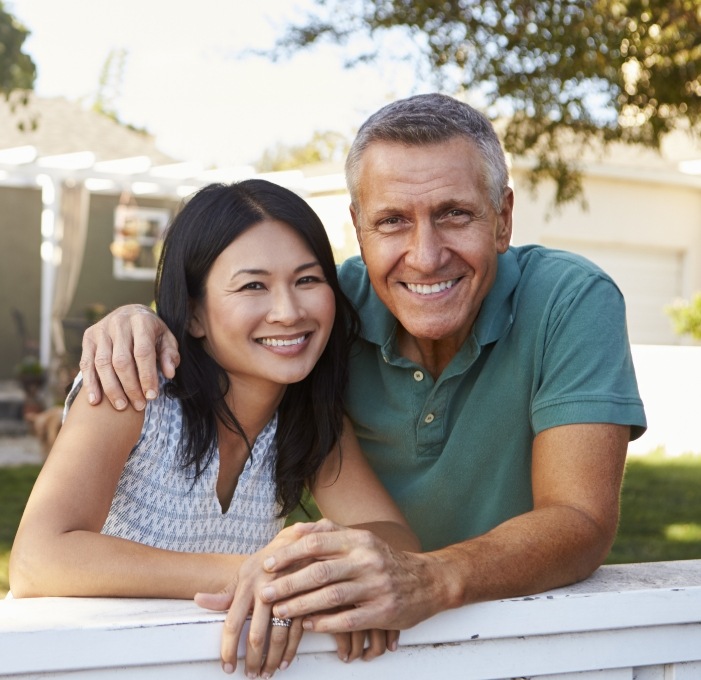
(628, 622)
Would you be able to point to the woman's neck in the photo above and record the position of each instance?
(253, 404)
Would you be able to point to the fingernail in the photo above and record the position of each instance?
(281, 611)
(268, 593)
(120, 404)
(266, 675)
(269, 562)
(251, 674)
(151, 394)
(344, 659)
(284, 665)
(393, 646)
(307, 625)
(139, 405)
(228, 668)
(92, 397)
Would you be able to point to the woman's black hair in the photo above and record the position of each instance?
(310, 415)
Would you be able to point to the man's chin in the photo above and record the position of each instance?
(433, 331)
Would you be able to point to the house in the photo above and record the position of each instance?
(642, 223)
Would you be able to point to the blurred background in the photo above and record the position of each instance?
(113, 113)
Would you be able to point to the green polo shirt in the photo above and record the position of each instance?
(549, 348)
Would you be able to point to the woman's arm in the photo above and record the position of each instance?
(348, 492)
(59, 549)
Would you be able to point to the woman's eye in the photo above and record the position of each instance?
(254, 285)
(309, 279)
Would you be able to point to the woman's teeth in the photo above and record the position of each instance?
(272, 342)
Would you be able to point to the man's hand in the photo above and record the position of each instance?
(374, 585)
(120, 354)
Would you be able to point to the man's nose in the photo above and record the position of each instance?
(426, 248)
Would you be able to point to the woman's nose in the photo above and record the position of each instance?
(286, 308)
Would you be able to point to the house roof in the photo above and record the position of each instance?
(63, 126)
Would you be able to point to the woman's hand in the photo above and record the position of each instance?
(272, 643)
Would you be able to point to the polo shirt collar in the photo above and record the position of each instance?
(494, 319)
(496, 315)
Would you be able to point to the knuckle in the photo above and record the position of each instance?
(256, 640)
(121, 360)
(143, 350)
(334, 596)
(230, 626)
(85, 364)
(103, 359)
(321, 572)
(313, 543)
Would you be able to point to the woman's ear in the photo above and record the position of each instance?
(194, 325)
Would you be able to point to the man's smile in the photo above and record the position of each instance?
(430, 288)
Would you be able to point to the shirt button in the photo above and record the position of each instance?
(429, 418)
(418, 375)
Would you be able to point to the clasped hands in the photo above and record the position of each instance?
(322, 576)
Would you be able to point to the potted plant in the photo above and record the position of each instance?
(31, 376)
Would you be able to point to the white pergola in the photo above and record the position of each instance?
(81, 172)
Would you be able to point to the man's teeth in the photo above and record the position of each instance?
(425, 289)
(272, 342)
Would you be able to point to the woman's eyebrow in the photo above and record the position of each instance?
(265, 272)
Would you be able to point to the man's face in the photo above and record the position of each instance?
(429, 235)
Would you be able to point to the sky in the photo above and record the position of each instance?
(186, 81)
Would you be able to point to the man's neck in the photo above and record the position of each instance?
(433, 355)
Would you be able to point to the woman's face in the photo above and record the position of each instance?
(267, 311)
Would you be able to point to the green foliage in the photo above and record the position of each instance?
(686, 317)
(15, 486)
(110, 84)
(17, 70)
(566, 74)
(322, 147)
(660, 510)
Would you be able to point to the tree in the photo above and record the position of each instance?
(322, 147)
(566, 75)
(686, 316)
(110, 84)
(17, 70)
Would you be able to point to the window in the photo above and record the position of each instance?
(138, 234)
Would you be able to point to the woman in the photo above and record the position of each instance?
(190, 494)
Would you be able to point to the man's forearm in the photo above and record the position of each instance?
(537, 551)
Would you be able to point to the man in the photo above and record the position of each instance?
(492, 389)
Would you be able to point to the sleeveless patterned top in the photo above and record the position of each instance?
(158, 503)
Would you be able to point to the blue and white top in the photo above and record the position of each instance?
(158, 503)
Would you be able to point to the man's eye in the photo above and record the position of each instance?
(390, 223)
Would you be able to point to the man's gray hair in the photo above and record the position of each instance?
(431, 119)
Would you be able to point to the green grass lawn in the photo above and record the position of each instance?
(660, 510)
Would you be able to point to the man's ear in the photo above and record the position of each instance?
(358, 232)
(505, 221)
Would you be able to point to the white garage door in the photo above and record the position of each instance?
(650, 280)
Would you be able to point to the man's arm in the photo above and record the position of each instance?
(120, 353)
(577, 472)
